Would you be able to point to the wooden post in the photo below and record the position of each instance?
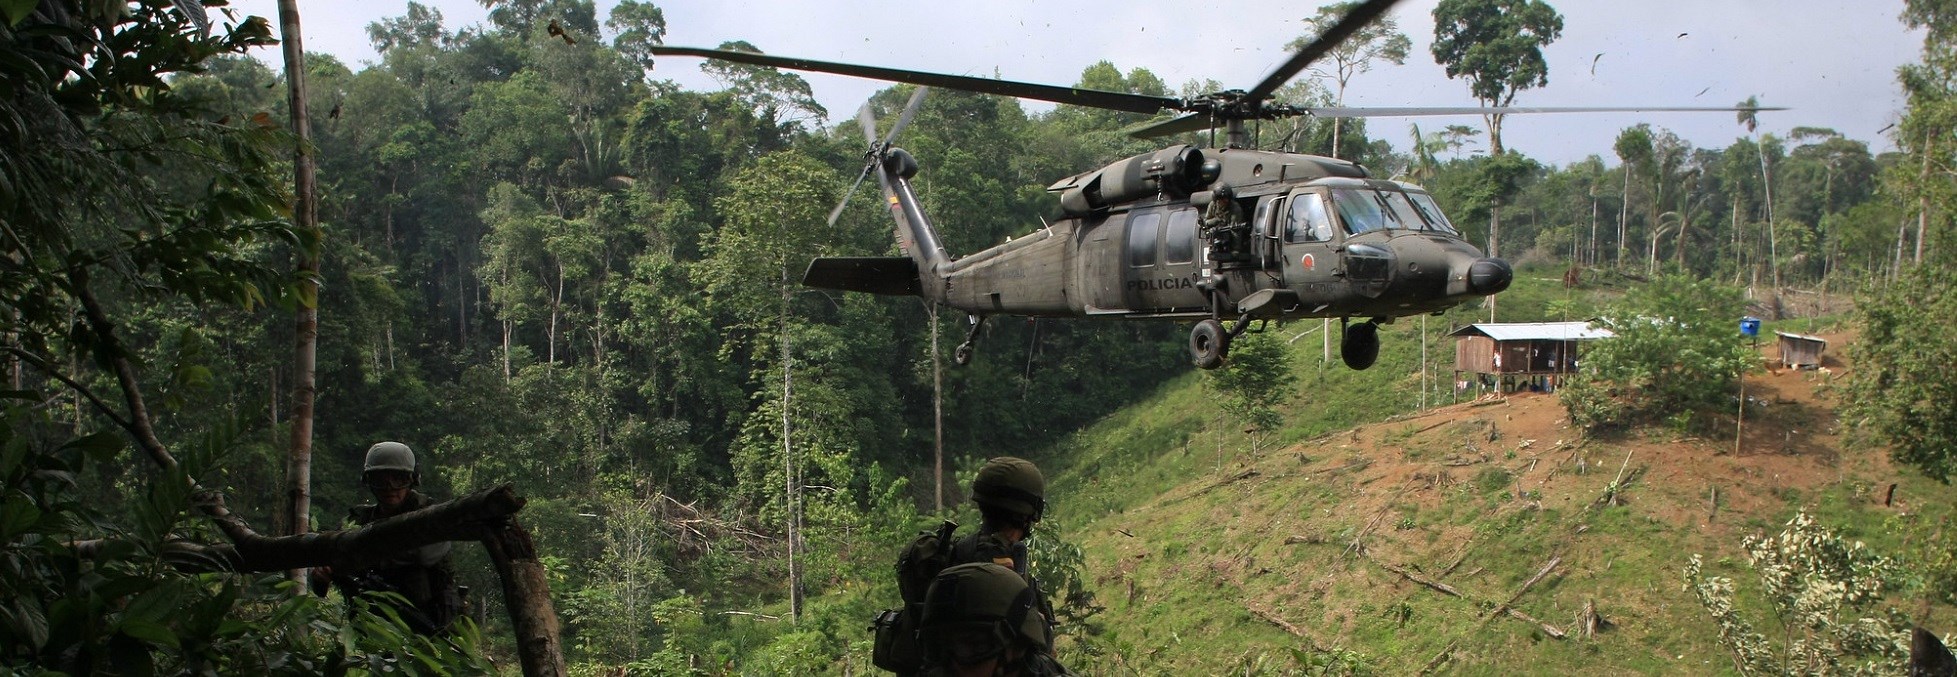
(1739, 420)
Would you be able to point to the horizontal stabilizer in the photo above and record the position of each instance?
(892, 275)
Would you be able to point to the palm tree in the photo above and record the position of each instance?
(1748, 118)
(1425, 165)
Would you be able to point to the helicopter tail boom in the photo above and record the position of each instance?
(915, 234)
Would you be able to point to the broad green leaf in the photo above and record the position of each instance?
(154, 633)
(18, 514)
(17, 10)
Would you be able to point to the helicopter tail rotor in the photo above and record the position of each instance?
(867, 120)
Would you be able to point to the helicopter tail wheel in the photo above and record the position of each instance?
(1208, 344)
(963, 355)
(1360, 348)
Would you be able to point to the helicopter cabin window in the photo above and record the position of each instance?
(1143, 231)
(1361, 210)
(1425, 203)
(1308, 221)
(1180, 245)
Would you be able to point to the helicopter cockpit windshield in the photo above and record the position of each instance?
(1368, 209)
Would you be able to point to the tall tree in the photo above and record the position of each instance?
(636, 28)
(1497, 46)
(776, 211)
(1749, 118)
(305, 216)
(1633, 147)
(1380, 40)
(1925, 130)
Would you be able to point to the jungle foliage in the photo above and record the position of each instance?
(542, 264)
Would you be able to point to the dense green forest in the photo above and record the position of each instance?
(542, 264)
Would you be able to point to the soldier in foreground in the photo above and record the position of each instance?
(1011, 497)
(981, 620)
(424, 575)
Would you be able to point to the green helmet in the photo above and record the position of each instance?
(974, 611)
(1011, 484)
(389, 456)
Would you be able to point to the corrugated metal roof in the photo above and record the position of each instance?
(1803, 337)
(1534, 331)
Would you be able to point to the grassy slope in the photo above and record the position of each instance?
(1203, 549)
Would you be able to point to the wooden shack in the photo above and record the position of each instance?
(1520, 352)
(1801, 351)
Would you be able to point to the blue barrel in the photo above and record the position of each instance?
(1749, 326)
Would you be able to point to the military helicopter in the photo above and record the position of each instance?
(1226, 237)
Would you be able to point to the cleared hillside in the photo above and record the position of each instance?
(1408, 542)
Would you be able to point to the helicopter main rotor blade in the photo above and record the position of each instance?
(1193, 122)
(1326, 42)
(1092, 98)
(1418, 111)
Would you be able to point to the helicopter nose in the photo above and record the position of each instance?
(1489, 276)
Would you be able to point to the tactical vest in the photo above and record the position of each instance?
(429, 588)
(897, 647)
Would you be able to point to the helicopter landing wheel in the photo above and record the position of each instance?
(1208, 344)
(1360, 347)
(963, 355)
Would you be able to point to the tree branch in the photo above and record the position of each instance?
(468, 518)
(112, 353)
(100, 406)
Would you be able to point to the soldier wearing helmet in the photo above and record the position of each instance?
(1011, 497)
(983, 619)
(424, 575)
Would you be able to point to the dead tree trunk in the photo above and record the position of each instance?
(526, 592)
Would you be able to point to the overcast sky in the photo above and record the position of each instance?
(1832, 62)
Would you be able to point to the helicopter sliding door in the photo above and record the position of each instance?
(1142, 262)
(1160, 256)
(1309, 247)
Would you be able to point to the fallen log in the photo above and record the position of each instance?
(1273, 619)
(1547, 629)
(1553, 561)
(463, 519)
(1437, 585)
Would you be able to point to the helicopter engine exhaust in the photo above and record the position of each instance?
(1176, 171)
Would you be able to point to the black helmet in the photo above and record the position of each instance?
(1014, 485)
(974, 611)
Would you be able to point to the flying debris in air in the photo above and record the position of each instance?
(1593, 63)
(557, 31)
(1683, 34)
